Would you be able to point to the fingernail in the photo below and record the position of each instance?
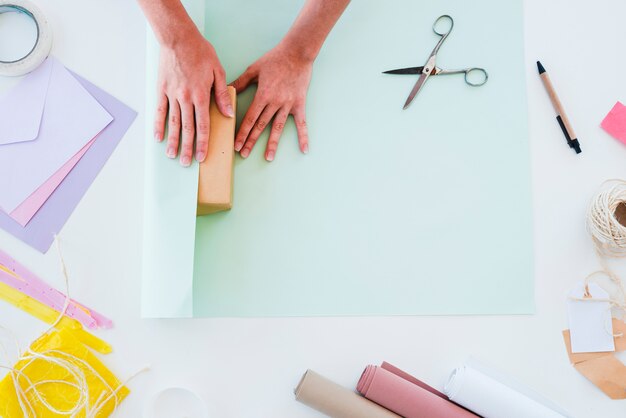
(245, 153)
(238, 146)
(305, 148)
(185, 161)
(229, 111)
(171, 152)
(157, 137)
(270, 156)
(200, 156)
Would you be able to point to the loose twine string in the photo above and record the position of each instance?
(609, 239)
(71, 364)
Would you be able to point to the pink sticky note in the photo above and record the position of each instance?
(615, 122)
(28, 208)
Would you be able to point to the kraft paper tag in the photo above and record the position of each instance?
(591, 329)
(603, 369)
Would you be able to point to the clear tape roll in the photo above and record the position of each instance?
(42, 46)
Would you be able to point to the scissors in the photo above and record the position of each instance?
(473, 76)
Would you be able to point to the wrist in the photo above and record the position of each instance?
(183, 34)
(300, 52)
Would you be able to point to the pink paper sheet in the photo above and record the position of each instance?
(615, 122)
(27, 209)
(404, 397)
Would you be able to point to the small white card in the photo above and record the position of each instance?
(590, 324)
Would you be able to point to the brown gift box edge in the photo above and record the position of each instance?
(216, 178)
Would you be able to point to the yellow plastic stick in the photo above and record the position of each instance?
(49, 315)
(12, 273)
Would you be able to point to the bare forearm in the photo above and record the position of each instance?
(312, 26)
(169, 20)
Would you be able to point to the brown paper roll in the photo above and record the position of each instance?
(336, 401)
(215, 184)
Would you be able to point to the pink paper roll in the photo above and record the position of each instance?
(401, 373)
(406, 398)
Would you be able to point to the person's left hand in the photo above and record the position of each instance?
(283, 80)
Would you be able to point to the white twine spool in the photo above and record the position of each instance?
(606, 222)
(603, 223)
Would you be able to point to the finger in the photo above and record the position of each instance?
(222, 97)
(299, 116)
(244, 80)
(249, 120)
(173, 129)
(277, 130)
(188, 131)
(159, 117)
(257, 130)
(203, 128)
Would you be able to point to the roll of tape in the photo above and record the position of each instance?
(42, 46)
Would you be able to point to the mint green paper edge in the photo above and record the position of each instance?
(170, 200)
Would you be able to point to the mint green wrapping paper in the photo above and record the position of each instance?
(416, 212)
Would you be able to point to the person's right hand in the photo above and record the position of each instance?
(188, 71)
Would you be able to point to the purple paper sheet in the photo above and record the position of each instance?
(40, 231)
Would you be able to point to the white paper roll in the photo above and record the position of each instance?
(491, 395)
(42, 46)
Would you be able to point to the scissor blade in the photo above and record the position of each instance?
(409, 70)
(416, 89)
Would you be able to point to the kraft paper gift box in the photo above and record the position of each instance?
(215, 183)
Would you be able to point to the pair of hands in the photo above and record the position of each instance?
(188, 74)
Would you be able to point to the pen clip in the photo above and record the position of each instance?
(564, 129)
(572, 142)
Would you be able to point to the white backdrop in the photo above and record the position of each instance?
(248, 367)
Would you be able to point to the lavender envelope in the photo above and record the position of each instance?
(40, 231)
(70, 119)
(25, 115)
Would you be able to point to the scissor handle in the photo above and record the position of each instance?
(440, 19)
(443, 35)
(480, 74)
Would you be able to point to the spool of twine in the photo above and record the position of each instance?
(606, 222)
(606, 219)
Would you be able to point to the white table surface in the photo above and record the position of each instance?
(249, 367)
